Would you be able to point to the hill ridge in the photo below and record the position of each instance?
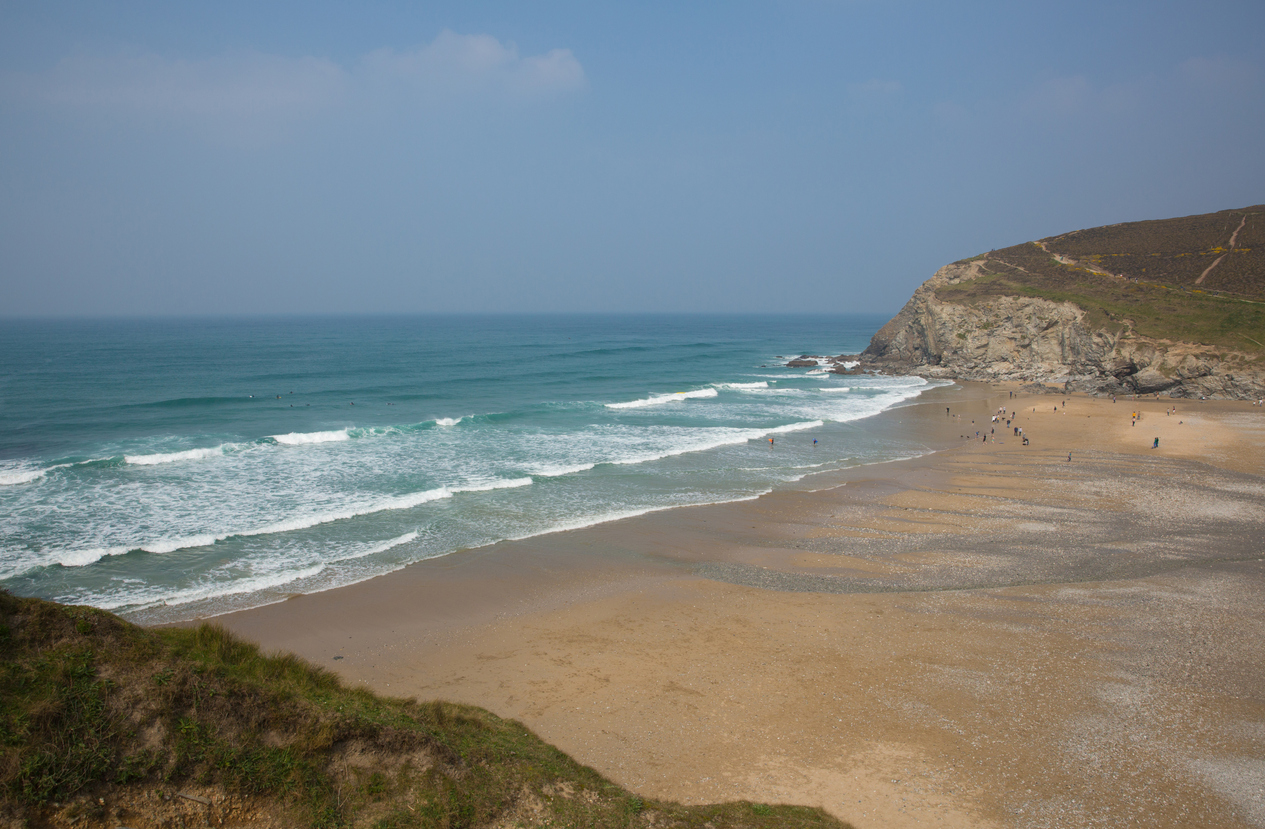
(1173, 306)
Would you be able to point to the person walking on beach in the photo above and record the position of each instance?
(1156, 445)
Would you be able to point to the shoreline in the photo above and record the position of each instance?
(832, 479)
(854, 645)
(207, 609)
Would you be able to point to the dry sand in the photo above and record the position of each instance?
(989, 636)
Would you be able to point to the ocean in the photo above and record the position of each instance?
(170, 469)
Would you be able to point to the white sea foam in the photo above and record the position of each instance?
(372, 432)
(838, 389)
(170, 545)
(13, 477)
(218, 590)
(172, 457)
(619, 515)
(84, 557)
(694, 440)
(238, 588)
(398, 502)
(269, 581)
(657, 399)
(383, 547)
(794, 427)
(500, 483)
(70, 558)
(559, 471)
(448, 421)
(762, 384)
(302, 438)
(81, 558)
(16, 561)
(715, 439)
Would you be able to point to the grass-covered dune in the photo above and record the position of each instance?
(106, 724)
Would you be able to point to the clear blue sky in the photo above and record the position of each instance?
(253, 157)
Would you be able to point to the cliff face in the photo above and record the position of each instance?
(1029, 339)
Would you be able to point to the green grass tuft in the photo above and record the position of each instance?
(92, 707)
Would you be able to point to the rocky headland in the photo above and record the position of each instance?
(1174, 306)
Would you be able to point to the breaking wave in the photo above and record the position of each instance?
(303, 438)
(659, 399)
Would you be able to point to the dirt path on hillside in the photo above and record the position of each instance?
(1235, 235)
(1076, 263)
(1233, 238)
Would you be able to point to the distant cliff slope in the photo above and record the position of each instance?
(1174, 306)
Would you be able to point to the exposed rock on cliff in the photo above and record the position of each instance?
(1032, 314)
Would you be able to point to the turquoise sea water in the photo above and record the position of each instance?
(173, 468)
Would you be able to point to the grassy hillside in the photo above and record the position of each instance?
(1176, 252)
(1146, 275)
(103, 723)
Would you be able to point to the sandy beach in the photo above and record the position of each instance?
(991, 635)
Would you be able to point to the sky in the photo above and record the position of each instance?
(391, 157)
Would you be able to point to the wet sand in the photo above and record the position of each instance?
(990, 635)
